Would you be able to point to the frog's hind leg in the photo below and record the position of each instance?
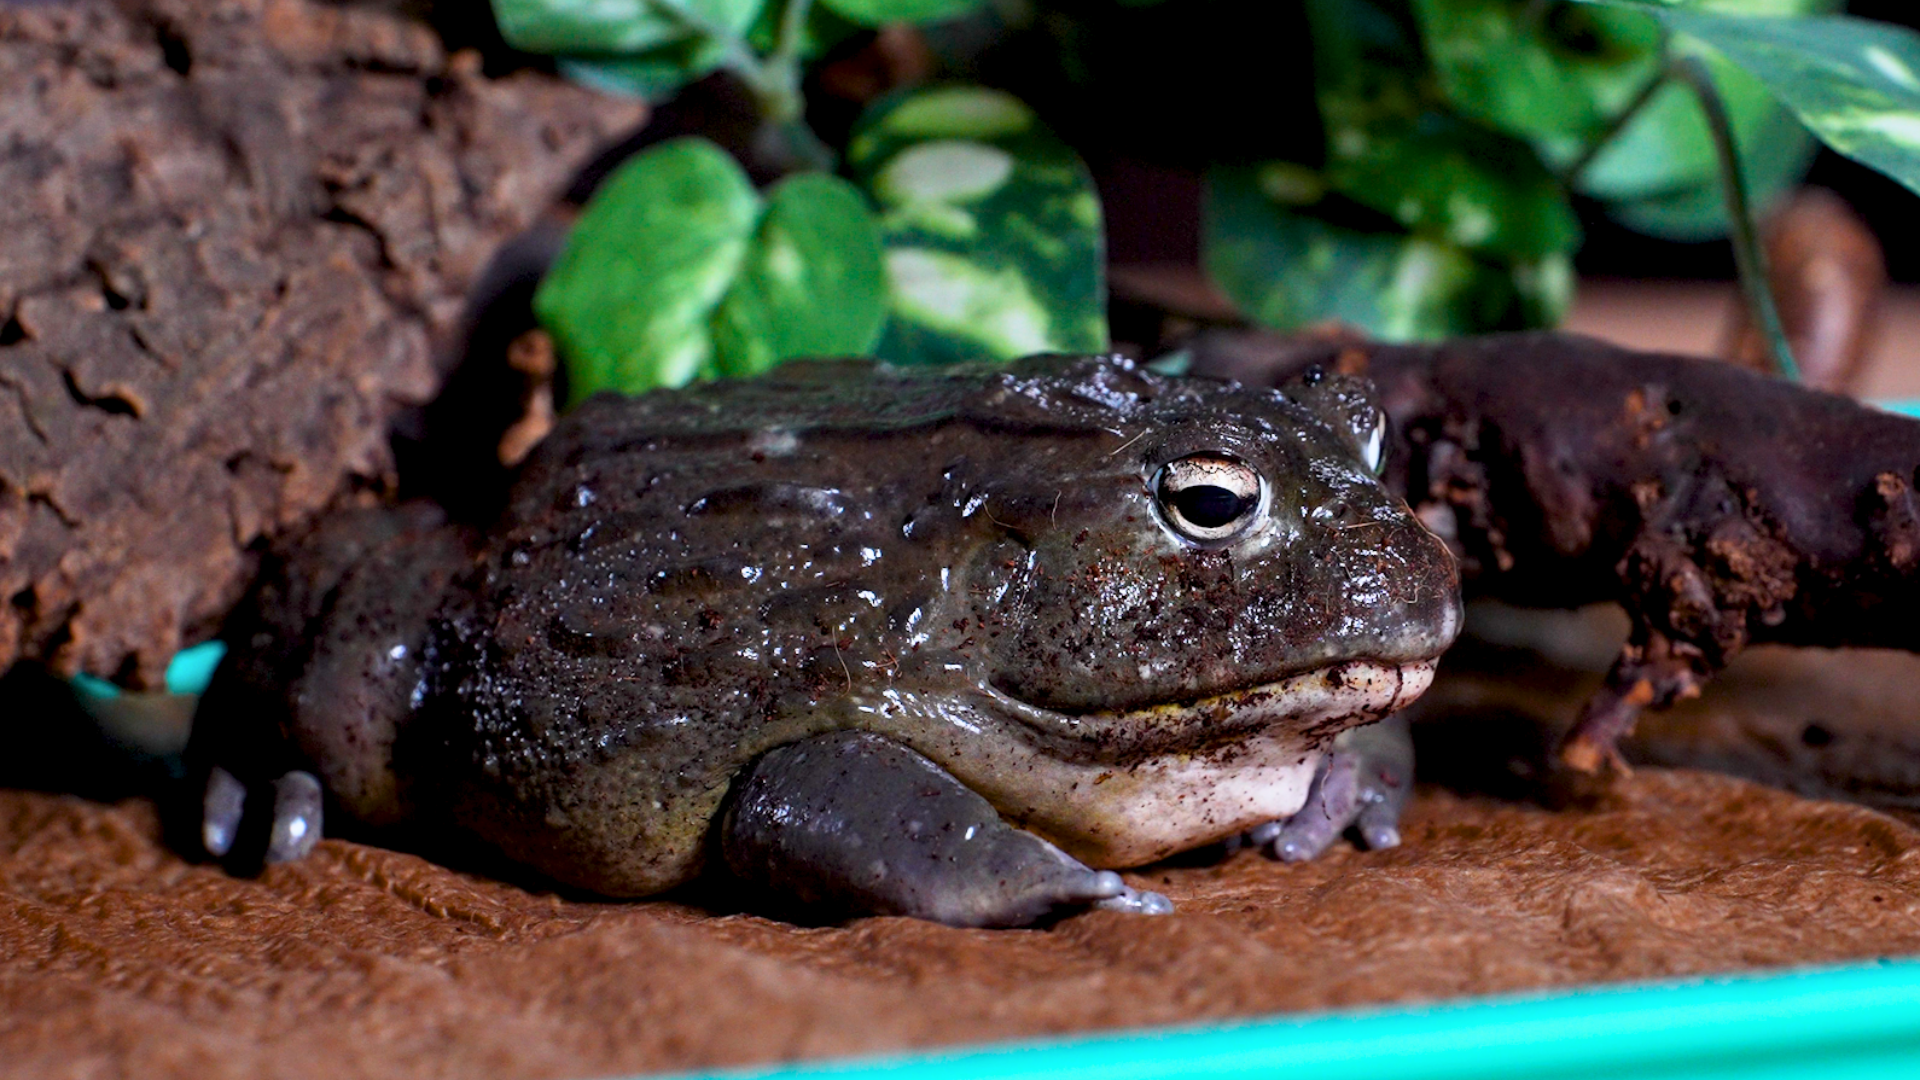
(321, 674)
(852, 823)
(1362, 784)
(250, 799)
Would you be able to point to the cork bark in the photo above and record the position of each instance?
(236, 239)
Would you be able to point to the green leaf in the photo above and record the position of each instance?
(991, 226)
(881, 12)
(1854, 83)
(1395, 145)
(1775, 154)
(652, 255)
(678, 269)
(1287, 268)
(654, 75)
(1537, 71)
(1367, 70)
(822, 30)
(812, 284)
(1667, 147)
(1467, 186)
(1484, 228)
(617, 27)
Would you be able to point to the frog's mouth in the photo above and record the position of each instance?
(1312, 706)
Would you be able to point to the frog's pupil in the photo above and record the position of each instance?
(1210, 507)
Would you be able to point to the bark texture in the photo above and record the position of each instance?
(236, 237)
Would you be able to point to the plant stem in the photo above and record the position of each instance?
(793, 29)
(777, 89)
(693, 22)
(783, 64)
(1570, 175)
(1748, 254)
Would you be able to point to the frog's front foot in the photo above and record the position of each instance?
(1362, 784)
(1132, 901)
(290, 833)
(853, 823)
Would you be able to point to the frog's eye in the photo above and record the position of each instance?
(1208, 498)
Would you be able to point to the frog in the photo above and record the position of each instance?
(957, 643)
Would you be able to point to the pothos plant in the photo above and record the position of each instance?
(952, 224)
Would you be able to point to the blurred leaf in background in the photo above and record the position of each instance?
(1854, 83)
(647, 48)
(991, 225)
(1463, 185)
(1469, 230)
(653, 75)
(1546, 71)
(1660, 175)
(1288, 267)
(1429, 195)
(617, 27)
(678, 270)
(881, 12)
(652, 48)
(1560, 74)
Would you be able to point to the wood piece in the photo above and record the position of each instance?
(1720, 507)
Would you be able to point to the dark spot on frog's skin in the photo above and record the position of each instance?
(1816, 735)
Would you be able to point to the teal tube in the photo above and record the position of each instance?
(191, 669)
(189, 672)
(1838, 1023)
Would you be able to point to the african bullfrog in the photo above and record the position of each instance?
(946, 642)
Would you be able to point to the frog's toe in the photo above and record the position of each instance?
(1362, 784)
(229, 831)
(220, 809)
(853, 823)
(1379, 824)
(296, 817)
(1332, 805)
(1134, 901)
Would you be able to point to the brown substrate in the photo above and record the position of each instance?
(122, 960)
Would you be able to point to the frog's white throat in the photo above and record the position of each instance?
(1148, 806)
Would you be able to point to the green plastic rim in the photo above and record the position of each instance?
(1859, 1021)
